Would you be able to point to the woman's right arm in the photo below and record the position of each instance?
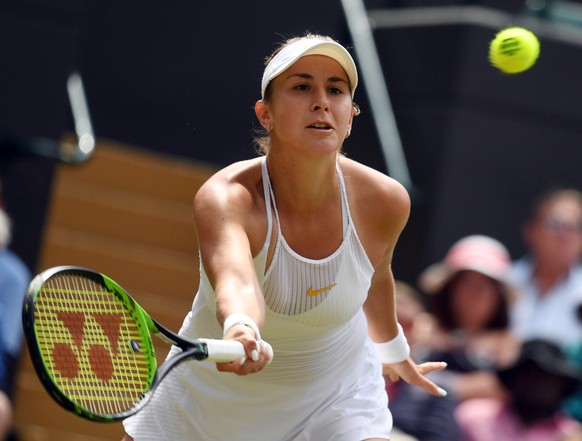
(224, 213)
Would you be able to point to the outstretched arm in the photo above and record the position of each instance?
(223, 211)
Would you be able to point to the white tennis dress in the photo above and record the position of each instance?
(325, 382)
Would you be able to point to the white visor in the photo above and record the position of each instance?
(310, 46)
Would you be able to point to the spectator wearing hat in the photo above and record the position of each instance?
(468, 296)
(537, 383)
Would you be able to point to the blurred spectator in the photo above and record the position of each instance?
(6, 415)
(14, 279)
(537, 384)
(573, 404)
(469, 297)
(410, 309)
(407, 405)
(549, 277)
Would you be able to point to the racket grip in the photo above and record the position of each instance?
(224, 350)
(229, 350)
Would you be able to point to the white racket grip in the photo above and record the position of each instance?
(229, 350)
(224, 350)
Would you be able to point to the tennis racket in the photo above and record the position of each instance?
(90, 344)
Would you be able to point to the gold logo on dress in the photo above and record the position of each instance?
(313, 292)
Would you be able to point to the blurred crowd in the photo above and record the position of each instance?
(510, 331)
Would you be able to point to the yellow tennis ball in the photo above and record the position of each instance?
(514, 50)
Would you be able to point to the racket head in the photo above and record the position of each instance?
(89, 343)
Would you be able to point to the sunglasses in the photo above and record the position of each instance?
(556, 226)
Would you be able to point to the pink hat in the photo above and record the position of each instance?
(477, 253)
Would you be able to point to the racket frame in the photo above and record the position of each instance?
(37, 358)
(198, 349)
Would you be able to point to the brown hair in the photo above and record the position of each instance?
(440, 305)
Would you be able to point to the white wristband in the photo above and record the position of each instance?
(395, 350)
(238, 318)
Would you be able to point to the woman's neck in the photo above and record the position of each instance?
(303, 183)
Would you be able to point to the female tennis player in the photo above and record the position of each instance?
(296, 248)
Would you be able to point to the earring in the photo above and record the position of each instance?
(348, 134)
(269, 128)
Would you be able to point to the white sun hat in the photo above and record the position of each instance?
(287, 56)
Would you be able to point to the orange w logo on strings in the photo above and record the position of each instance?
(99, 356)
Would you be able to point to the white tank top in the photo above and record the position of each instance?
(324, 292)
(324, 366)
(304, 330)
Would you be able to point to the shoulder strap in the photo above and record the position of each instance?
(267, 193)
(346, 217)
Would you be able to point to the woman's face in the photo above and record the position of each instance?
(310, 106)
(475, 300)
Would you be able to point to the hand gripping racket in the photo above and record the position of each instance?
(90, 344)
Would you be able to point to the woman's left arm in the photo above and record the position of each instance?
(386, 222)
(385, 214)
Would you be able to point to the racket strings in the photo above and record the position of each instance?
(91, 344)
